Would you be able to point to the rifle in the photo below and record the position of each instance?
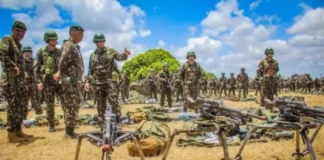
(109, 136)
(168, 81)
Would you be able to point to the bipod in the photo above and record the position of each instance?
(96, 137)
(305, 152)
(221, 130)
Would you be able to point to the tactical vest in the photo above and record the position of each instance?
(100, 64)
(270, 67)
(242, 77)
(191, 72)
(49, 61)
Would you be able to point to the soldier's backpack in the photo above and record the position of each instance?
(154, 138)
(159, 116)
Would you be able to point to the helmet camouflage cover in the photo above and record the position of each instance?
(99, 37)
(165, 65)
(191, 53)
(50, 35)
(268, 50)
(27, 49)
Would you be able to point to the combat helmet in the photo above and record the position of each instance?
(223, 73)
(165, 65)
(99, 37)
(242, 69)
(268, 50)
(27, 49)
(48, 35)
(232, 74)
(191, 53)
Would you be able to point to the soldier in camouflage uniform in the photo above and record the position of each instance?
(232, 82)
(268, 67)
(125, 86)
(211, 85)
(307, 83)
(222, 82)
(243, 80)
(165, 78)
(46, 65)
(216, 86)
(101, 67)
(203, 85)
(30, 82)
(317, 84)
(151, 78)
(14, 87)
(177, 85)
(190, 73)
(71, 70)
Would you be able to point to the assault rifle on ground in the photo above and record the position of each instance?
(110, 135)
(294, 115)
(222, 118)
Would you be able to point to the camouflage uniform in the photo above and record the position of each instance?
(31, 92)
(232, 82)
(269, 68)
(71, 70)
(243, 80)
(125, 86)
(101, 67)
(307, 83)
(151, 80)
(222, 82)
(211, 85)
(190, 75)
(216, 86)
(46, 65)
(257, 85)
(14, 86)
(177, 84)
(203, 85)
(165, 78)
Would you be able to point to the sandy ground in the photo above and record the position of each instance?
(52, 146)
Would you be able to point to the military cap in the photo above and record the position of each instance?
(232, 73)
(19, 24)
(76, 27)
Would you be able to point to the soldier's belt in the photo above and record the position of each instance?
(72, 80)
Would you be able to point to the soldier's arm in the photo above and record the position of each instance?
(37, 66)
(67, 56)
(200, 74)
(118, 56)
(277, 66)
(181, 72)
(161, 77)
(4, 56)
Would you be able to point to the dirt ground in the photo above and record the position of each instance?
(52, 146)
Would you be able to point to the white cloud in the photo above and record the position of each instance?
(255, 4)
(144, 33)
(192, 30)
(161, 43)
(268, 18)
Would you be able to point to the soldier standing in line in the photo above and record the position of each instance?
(165, 78)
(222, 81)
(243, 80)
(71, 71)
(268, 67)
(30, 82)
(190, 73)
(232, 82)
(101, 67)
(151, 78)
(46, 65)
(14, 84)
(125, 86)
(177, 85)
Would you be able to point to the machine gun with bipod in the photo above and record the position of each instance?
(109, 136)
(222, 118)
(294, 115)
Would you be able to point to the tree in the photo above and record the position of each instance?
(209, 75)
(139, 66)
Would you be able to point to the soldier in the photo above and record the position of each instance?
(211, 85)
(232, 82)
(243, 80)
(152, 85)
(269, 67)
(177, 85)
(71, 70)
(46, 65)
(101, 67)
(317, 84)
(125, 86)
(30, 82)
(216, 86)
(190, 73)
(307, 83)
(14, 87)
(222, 82)
(203, 85)
(165, 78)
(257, 85)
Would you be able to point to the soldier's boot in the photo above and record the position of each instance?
(70, 134)
(52, 128)
(13, 138)
(21, 134)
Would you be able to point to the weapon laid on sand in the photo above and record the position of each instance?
(110, 135)
(293, 115)
(222, 119)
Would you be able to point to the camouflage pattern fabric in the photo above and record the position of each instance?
(190, 75)
(177, 84)
(222, 82)
(51, 87)
(231, 90)
(257, 85)
(31, 92)
(151, 79)
(14, 89)
(243, 80)
(125, 87)
(71, 69)
(165, 79)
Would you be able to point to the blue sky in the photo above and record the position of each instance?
(233, 39)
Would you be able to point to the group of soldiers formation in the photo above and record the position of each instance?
(59, 72)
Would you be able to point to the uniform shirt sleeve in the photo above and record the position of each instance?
(68, 52)
(4, 55)
(119, 56)
(37, 66)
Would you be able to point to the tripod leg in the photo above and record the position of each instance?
(313, 138)
(297, 153)
(246, 139)
(77, 153)
(222, 139)
(169, 145)
(139, 147)
(308, 144)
